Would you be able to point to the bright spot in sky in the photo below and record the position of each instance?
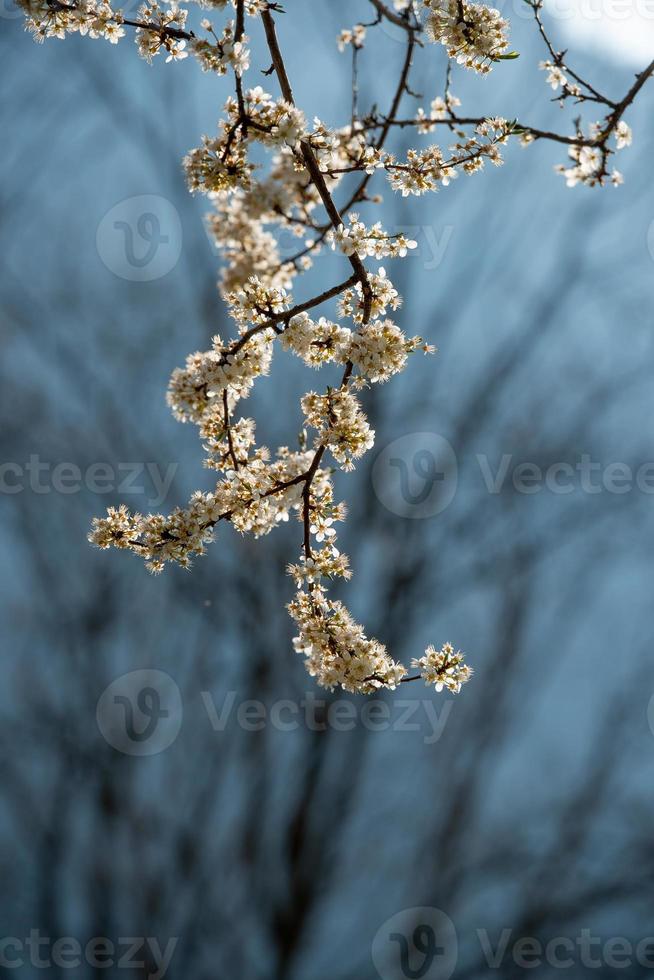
(621, 29)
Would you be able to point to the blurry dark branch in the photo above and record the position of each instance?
(359, 193)
(311, 847)
(440, 878)
(311, 163)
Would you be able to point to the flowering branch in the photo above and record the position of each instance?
(296, 193)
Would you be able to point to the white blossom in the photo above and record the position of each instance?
(443, 668)
(356, 36)
(623, 135)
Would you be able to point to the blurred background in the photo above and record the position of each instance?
(169, 770)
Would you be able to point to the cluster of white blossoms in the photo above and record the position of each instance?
(337, 651)
(421, 171)
(383, 296)
(354, 36)
(221, 163)
(255, 302)
(341, 425)
(474, 34)
(254, 497)
(159, 29)
(222, 53)
(425, 170)
(167, 20)
(274, 122)
(372, 242)
(379, 350)
(443, 668)
(590, 161)
(245, 219)
(92, 18)
(208, 374)
(217, 165)
(291, 198)
(317, 342)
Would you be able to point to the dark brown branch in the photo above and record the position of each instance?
(624, 104)
(390, 15)
(558, 56)
(453, 121)
(239, 30)
(310, 160)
